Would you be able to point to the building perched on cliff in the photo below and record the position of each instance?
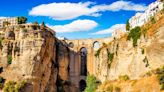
(11, 21)
(141, 18)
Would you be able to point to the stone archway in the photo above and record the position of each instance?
(82, 85)
(83, 59)
(96, 45)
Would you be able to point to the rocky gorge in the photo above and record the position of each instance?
(32, 59)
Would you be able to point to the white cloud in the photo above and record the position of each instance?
(66, 11)
(75, 26)
(111, 29)
(3, 17)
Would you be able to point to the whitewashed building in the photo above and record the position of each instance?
(118, 33)
(141, 18)
(12, 21)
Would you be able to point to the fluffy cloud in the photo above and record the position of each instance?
(111, 29)
(66, 11)
(75, 26)
(3, 17)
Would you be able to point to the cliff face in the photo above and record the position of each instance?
(120, 59)
(29, 55)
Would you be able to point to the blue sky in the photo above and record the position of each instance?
(75, 19)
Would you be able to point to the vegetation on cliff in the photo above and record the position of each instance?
(1, 43)
(91, 83)
(127, 26)
(160, 76)
(135, 34)
(124, 77)
(9, 59)
(21, 20)
(12, 86)
(1, 82)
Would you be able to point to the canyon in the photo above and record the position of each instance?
(32, 59)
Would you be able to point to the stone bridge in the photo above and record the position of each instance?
(81, 57)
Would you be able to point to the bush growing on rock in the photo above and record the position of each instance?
(135, 34)
(124, 77)
(1, 43)
(91, 83)
(160, 76)
(12, 86)
(9, 59)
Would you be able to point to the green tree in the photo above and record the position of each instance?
(91, 83)
(127, 26)
(42, 27)
(9, 59)
(135, 34)
(21, 20)
(43, 24)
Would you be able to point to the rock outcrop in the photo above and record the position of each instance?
(29, 54)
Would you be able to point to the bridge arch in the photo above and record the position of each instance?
(71, 44)
(96, 45)
(83, 60)
(82, 85)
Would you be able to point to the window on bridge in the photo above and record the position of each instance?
(83, 54)
(96, 45)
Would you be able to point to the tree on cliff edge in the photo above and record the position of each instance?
(127, 25)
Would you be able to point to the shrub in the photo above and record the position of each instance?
(21, 20)
(1, 43)
(20, 85)
(12, 86)
(152, 19)
(160, 76)
(135, 34)
(110, 55)
(97, 53)
(110, 58)
(9, 59)
(1, 82)
(110, 88)
(9, 86)
(127, 26)
(124, 77)
(146, 61)
(117, 47)
(144, 31)
(91, 83)
(143, 51)
(117, 89)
